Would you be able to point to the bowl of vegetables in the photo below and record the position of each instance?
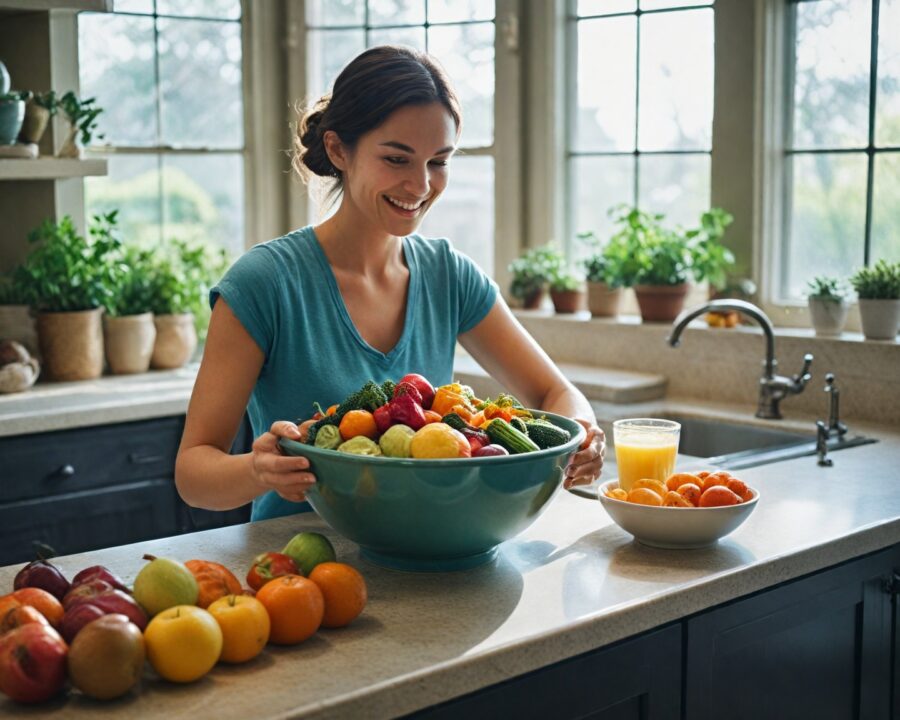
(441, 489)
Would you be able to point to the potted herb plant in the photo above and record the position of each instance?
(566, 290)
(180, 281)
(827, 298)
(38, 111)
(531, 274)
(128, 329)
(878, 289)
(71, 278)
(82, 118)
(16, 317)
(603, 276)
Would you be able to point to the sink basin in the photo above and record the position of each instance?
(707, 438)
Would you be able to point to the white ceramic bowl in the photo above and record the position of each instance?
(673, 527)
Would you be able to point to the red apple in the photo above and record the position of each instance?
(115, 601)
(99, 572)
(44, 575)
(76, 618)
(85, 592)
(32, 663)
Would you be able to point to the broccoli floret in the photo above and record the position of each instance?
(387, 387)
(369, 397)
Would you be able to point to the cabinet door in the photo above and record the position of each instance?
(88, 520)
(819, 647)
(637, 679)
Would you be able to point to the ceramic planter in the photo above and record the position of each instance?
(828, 315)
(566, 302)
(12, 112)
(71, 344)
(35, 123)
(533, 300)
(660, 303)
(70, 147)
(17, 323)
(176, 340)
(603, 301)
(880, 318)
(129, 342)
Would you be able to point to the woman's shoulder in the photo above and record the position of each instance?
(278, 253)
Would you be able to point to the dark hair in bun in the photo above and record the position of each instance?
(367, 91)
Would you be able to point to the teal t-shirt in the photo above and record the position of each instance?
(285, 295)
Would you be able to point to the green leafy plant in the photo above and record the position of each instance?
(15, 96)
(48, 101)
(533, 270)
(881, 281)
(562, 279)
(825, 287)
(604, 264)
(81, 114)
(66, 271)
(182, 274)
(133, 289)
(710, 260)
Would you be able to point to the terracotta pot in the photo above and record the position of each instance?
(176, 340)
(35, 123)
(129, 342)
(566, 302)
(880, 318)
(70, 147)
(533, 301)
(660, 303)
(17, 323)
(603, 301)
(71, 344)
(828, 316)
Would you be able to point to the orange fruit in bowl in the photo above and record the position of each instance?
(717, 478)
(296, 607)
(245, 626)
(717, 496)
(344, 590)
(739, 488)
(617, 494)
(439, 440)
(656, 486)
(645, 496)
(358, 422)
(690, 492)
(676, 480)
(674, 498)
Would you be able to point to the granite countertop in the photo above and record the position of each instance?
(570, 583)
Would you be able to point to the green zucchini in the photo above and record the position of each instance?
(502, 433)
(519, 424)
(455, 421)
(545, 434)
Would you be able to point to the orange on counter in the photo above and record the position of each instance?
(344, 590)
(42, 601)
(296, 607)
(245, 626)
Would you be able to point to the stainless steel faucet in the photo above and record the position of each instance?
(772, 387)
(824, 431)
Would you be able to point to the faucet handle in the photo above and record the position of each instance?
(804, 376)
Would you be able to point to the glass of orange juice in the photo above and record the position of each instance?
(645, 448)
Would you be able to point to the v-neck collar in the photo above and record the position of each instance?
(412, 295)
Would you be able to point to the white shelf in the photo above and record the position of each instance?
(49, 168)
(43, 5)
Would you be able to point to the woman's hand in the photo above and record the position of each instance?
(287, 475)
(586, 464)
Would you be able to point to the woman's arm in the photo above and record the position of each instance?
(205, 474)
(510, 355)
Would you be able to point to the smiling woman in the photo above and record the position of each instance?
(314, 315)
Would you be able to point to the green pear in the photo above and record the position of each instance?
(163, 583)
(308, 549)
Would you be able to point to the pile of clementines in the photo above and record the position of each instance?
(687, 490)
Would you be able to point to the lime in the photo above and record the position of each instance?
(308, 549)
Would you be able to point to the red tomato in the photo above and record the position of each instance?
(425, 388)
(269, 566)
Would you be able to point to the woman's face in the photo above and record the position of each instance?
(398, 170)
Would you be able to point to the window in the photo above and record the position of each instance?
(640, 100)
(842, 139)
(168, 74)
(461, 35)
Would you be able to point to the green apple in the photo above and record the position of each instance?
(163, 583)
(308, 549)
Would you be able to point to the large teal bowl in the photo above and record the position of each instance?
(434, 515)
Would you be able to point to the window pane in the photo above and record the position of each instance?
(413, 36)
(335, 12)
(327, 52)
(396, 12)
(465, 213)
(116, 66)
(440, 11)
(886, 208)
(599, 183)
(200, 83)
(133, 6)
(604, 117)
(132, 188)
(677, 185)
(676, 85)
(203, 198)
(467, 53)
(662, 4)
(827, 219)
(605, 7)
(831, 87)
(887, 108)
(221, 9)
